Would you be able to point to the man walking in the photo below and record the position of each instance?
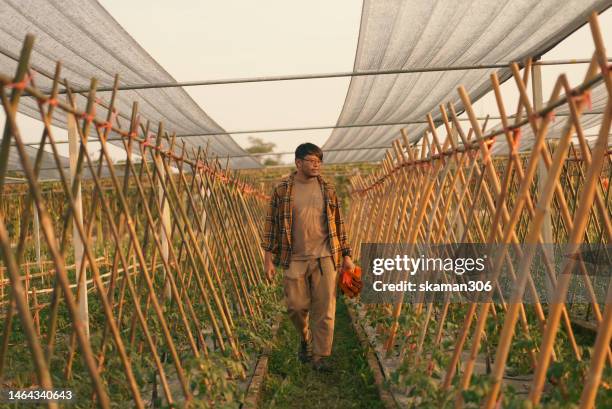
(304, 233)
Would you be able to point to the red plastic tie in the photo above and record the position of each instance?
(584, 98)
(21, 85)
(105, 125)
(490, 143)
(147, 141)
(587, 99)
(517, 133)
(87, 117)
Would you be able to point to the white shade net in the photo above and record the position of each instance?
(591, 117)
(410, 34)
(90, 43)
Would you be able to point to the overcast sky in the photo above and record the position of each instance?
(195, 40)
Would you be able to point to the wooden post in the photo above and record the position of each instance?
(459, 227)
(37, 237)
(73, 147)
(165, 225)
(205, 194)
(547, 230)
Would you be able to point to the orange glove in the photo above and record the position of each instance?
(350, 282)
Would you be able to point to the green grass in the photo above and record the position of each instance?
(291, 384)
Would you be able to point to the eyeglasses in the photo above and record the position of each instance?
(313, 161)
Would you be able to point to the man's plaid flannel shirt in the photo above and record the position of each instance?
(277, 230)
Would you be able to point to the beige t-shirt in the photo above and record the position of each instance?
(309, 232)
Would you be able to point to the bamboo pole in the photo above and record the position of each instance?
(77, 244)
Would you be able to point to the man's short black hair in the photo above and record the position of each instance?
(308, 149)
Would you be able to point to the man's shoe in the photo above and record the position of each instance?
(305, 351)
(323, 364)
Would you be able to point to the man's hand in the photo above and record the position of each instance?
(269, 266)
(347, 263)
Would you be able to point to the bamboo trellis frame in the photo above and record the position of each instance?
(451, 192)
(176, 236)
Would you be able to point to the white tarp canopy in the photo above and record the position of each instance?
(591, 117)
(90, 43)
(397, 34)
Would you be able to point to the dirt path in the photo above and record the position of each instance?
(291, 384)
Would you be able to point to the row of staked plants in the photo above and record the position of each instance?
(216, 381)
(421, 378)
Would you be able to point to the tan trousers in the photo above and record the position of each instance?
(310, 292)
